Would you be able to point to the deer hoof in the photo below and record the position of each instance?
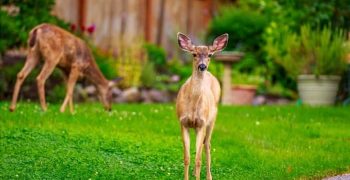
(12, 108)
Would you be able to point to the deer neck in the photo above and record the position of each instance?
(198, 82)
(94, 74)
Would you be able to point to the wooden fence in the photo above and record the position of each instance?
(126, 21)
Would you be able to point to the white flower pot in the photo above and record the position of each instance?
(320, 90)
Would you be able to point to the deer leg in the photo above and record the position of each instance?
(31, 62)
(186, 146)
(71, 107)
(199, 146)
(73, 77)
(207, 149)
(46, 71)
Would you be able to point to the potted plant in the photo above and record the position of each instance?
(315, 58)
(245, 86)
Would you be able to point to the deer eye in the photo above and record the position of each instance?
(209, 55)
(194, 55)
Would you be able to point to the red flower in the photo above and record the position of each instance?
(73, 27)
(91, 29)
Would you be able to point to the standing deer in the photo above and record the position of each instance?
(60, 48)
(197, 101)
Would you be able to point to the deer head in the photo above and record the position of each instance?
(202, 54)
(105, 93)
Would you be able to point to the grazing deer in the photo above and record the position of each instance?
(197, 101)
(60, 48)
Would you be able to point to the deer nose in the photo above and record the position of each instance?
(202, 67)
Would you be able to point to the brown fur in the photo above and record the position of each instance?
(57, 47)
(197, 102)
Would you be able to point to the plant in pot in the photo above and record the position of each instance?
(315, 58)
(245, 86)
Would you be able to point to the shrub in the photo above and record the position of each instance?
(148, 75)
(15, 26)
(129, 64)
(156, 55)
(319, 52)
(244, 27)
(105, 61)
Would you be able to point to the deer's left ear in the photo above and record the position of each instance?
(185, 42)
(114, 81)
(111, 83)
(219, 43)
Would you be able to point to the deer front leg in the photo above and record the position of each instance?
(199, 146)
(207, 150)
(31, 62)
(186, 146)
(73, 77)
(46, 71)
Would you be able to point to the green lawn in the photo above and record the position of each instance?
(144, 142)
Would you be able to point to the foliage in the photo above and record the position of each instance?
(156, 55)
(15, 26)
(243, 26)
(134, 141)
(184, 70)
(105, 61)
(319, 52)
(148, 75)
(253, 78)
(317, 13)
(130, 63)
(278, 89)
(216, 68)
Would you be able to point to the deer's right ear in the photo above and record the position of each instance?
(185, 42)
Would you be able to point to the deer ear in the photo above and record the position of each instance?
(185, 42)
(111, 83)
(114, 81)
(219, 43)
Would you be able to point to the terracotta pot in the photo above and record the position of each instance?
(320, 90)
(243, 94)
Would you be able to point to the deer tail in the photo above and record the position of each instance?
(32, 37)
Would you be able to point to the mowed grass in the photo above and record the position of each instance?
(144, 142)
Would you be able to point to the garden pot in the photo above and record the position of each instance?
(321, 90)
(243, 94)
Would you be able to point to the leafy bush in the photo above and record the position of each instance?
(16, 26)
(129, 64)
(319, 52)
(184, 70)
(148, 75)
(105, 61)
(244, 27)
(156, 55)
(254, 78)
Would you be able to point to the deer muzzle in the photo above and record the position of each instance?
(202, 67)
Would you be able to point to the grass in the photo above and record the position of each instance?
(144, 142)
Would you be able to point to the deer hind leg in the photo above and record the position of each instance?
(207, 150)
(72, 79)
(31, 62)
(71, 107)
(186, 146)
(201, 131)
(46, 71)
